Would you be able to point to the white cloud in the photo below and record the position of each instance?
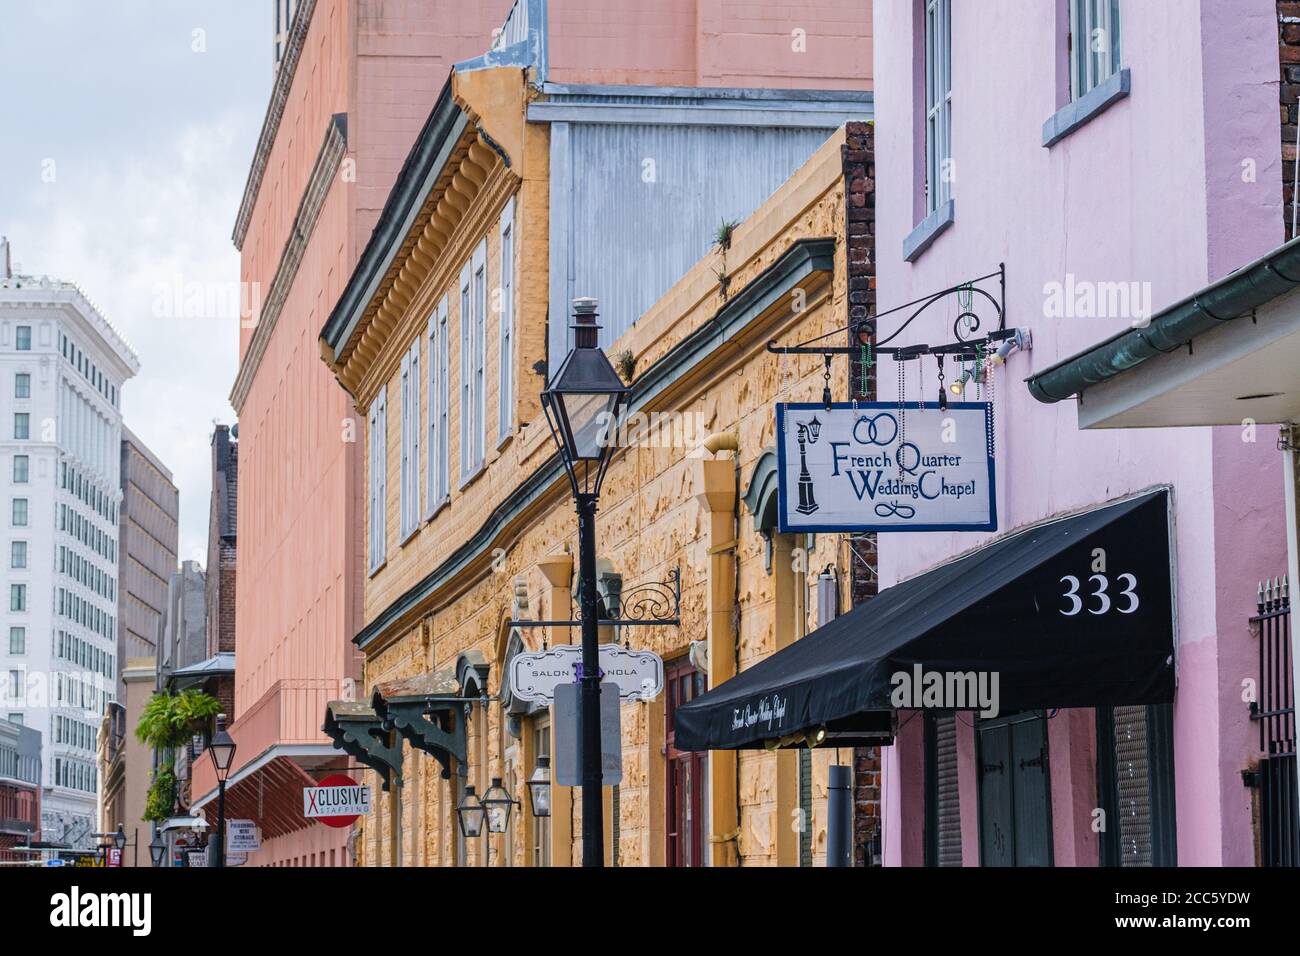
(126, 228)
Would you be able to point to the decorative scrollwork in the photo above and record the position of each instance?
(965, 326)
(656, 601)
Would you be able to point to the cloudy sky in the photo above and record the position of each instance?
(126, 130)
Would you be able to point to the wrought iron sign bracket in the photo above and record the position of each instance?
(965, 347)
(658, 603)
(357, 731)
(409, 719)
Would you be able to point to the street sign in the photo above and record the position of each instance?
(566, 763)
(242, 836)
(885, 466)
(197, 858)
(638, 675)
(336, 802)
(55, 861)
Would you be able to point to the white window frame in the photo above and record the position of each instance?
(506, 327)
(473, 345)
(938, 102)
(1091, 20)
(438, 473)
(377, 436)
(410, 437)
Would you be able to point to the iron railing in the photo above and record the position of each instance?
(1274, 712)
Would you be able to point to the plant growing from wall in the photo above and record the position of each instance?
(625, 363)
(723, 240)
(724, 233)
(169, 720)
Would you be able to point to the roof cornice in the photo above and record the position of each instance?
(274, 113)
(424, 165)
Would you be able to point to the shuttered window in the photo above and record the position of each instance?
(1135, 782)
(438, 358)
(377, 434)
(506, 327)
(942, 797)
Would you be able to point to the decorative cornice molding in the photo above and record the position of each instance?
(274, 113)
(423, 167)
(363, 378)
(332, 148)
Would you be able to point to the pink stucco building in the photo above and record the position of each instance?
(1154, 167)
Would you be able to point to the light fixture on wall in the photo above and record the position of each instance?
(539, 788)
(471, 813)
(497, 804)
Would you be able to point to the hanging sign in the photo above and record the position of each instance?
(879, 466)
(638, 675)
(337, 802)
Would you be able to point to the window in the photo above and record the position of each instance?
(411, 428)
(938, 103)
(505, 336)
(20, 513)
(21, 469)
(541, 843)
(24, 338)
(439, 360)
(18, 554)
(22, 385)
(687, 801)
(22, 425)
(17, 640)
(1094, 44)
(473, 328)
(15, 686)
(378, 434)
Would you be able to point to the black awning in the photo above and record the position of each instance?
(1075, 612)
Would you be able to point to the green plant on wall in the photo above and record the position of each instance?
(169, 720)
(161, 797)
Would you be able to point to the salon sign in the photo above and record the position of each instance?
(879, 466)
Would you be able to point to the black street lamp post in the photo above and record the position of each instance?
(582, 403)
(222, 749)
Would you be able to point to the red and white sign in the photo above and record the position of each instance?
(337, 801)
(114, 856)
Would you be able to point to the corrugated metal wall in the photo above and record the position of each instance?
(635, 206)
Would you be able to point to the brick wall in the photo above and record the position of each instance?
(1288, 25)
(858, 154)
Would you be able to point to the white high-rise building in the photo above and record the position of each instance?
(62, 367)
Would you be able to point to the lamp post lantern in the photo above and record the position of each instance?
(222, 750)
(156, 849)
(582, 404)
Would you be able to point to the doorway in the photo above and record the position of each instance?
(1014, 791)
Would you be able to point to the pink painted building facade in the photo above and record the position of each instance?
(1156, 165)
(354, 84)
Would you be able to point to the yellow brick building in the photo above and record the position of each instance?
(483, 530)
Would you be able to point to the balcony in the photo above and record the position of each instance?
(278, 738)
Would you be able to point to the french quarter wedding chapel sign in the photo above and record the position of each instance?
(881, 466)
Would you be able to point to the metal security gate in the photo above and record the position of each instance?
(1274, 711)
(942, 799)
